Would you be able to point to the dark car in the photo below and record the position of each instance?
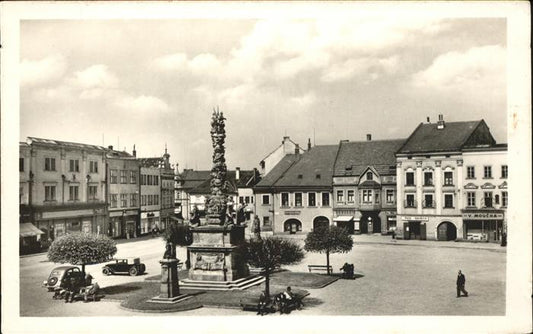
(59, 275)
(133, 267)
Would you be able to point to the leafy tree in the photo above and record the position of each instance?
(178, 234)
(331, 239)
(270, 253)
(82, 249)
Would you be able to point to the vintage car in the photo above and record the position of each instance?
(133, 267)
(59, 275)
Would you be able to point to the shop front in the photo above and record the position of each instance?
(483, 225)
(123, 224)
(149, 220)
(415, 227)
(347, 222)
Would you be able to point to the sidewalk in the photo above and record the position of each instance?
(387, 240)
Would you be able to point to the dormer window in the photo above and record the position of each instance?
(348, 167)
(369, 176)
(300, 176)
(318, 176)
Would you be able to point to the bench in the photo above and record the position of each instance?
(319, 267)
(251, 303)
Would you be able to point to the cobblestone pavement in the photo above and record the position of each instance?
(417, 278)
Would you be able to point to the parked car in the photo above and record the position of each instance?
(133, 267)
(59, 275)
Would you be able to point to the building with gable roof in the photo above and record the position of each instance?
(288, 146)
(436, 198)
(364, 185)
(295, 196)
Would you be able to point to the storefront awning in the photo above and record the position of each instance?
(29, 230)
(343, 219)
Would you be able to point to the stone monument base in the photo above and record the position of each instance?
(169, 288)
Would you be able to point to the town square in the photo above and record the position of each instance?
(306, 167)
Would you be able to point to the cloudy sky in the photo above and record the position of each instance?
(151, 82)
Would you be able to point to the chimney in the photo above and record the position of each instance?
(287, 148)
(440, 123)
(368, 137)
(428, 120)
(110, 147)
(297, 149)
(177, 170)
(237, 173)
(309, 144)
(134, 151)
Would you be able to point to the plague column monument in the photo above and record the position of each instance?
(216, 260)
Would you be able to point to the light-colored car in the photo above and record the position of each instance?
(59, 274)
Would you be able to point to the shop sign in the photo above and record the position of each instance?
(292, 213)
(419, 218)
(482, 215)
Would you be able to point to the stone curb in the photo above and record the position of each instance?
(499, 250)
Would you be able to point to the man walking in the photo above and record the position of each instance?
(461, 280)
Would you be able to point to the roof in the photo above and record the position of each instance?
(53, 142)
(199, 182)
(277, 147)
(355, 157)
(151, 162)
(313, 168)
(453, 137)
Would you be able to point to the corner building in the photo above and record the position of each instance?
(430, 172)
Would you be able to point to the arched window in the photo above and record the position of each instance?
(369, 175)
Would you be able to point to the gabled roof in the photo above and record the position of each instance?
(355, 157)
(452, 138)
(289, 139)
(152, 162)
(193, 178)
(199, 182)
(53, 142)
(313, 168)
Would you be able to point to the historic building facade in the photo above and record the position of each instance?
(123, 194)
(431, 178)
(150, 195)
(167, 190)
(296, 195)
(364, 186)
(62, 187)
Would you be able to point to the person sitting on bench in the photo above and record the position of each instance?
(90, 291)
(261, 306)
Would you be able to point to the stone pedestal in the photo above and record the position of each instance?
(215, 255)
(169, 289)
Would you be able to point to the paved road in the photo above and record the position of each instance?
(410, 278)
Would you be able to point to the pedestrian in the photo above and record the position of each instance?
(461, 280)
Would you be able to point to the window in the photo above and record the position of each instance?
(369, 176)
(351, 196)
(113, 200)
(156, 200)
(113, 176)
(410, 201)
(241, 199)
(49, 193)
(143, 200)
(49, 164)
(298, 199)
(487, 172)
(156, 180)
(93, 167)
(428, 178)
(284, 199)
(376, 197)
(123, 178)
(149, 200)
(73, 193)
(300, 176)
(266, 221)
(367, 196)
(448, 200)
(124, 200)
(21, 164)
(390, 196)
(471, 199)
(266, 199)
(74, 166)
(133, 177)
(247, 199)
(93, 191)
(470, 172)
(318, 176)
(311, 199)
(504, 171)
(340, 196)
(325, 199)
(504, 198)
(496, 199)
(409, 179)
(428, 201)
(133, 199)
(448, 178)
(487, 199)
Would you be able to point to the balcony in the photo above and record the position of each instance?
(409, 204)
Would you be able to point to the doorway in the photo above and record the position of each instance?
(446, 231)
(370, 222)
(292, 226)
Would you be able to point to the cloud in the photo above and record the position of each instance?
(304, 100)
(204, 63)
(368, 68)
(142, 104)
(38, 72)
(95, 76)
(476, 69)
(172, 62)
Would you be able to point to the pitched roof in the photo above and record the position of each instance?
(193, 178)
(151, 162)
(313, 168)
(199, 182)
(355, 157)
(53, 142)
(289, 139)
(453, 137)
